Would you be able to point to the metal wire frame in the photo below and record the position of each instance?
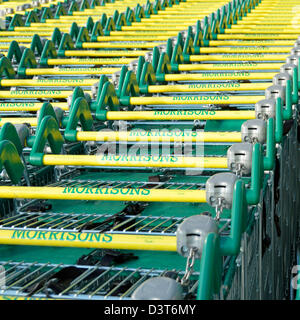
(287, 210)
(267, 276)
(116, 223)
(45, 280)
(21, 218)
(127, 184)
(69, 222)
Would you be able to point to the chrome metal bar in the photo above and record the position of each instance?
(93, 281)
(80, 278)
(14, 275)
(45, 218)
(144, 226)
(38, 278)
(28, 275)
(136, 223)
(136, 284)
(107, 282)
(75, 222)
(172, 225)
(124, 222)
(120, 283)
(162, 223)
(12, 217)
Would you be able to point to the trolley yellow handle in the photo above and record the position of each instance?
(136, 161)
(208, 87)
(256, 36)
(239, 57)
(161, 136)
(180, 115)
(88, 240)
(47, 82)
(195, 100)
(230, 66)
(89, 61)
(220, 76)
(260, 49)
(105, 194)
(104, 53)
(121, 45)
(70, 71)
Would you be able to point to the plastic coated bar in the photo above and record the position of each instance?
(135, 161)
(148, 136)
(221, 76)
(254, 36)
(31, 94)
(258, 49)
(204, 87)
(88, 61)
(107, 194)
(113, 45)
(239, 57)
(47, 82)
(189, 99)
(104, 53)
(88, 240)
(234, 66)
(28, 106)
(180, 115)
(71, 71)
(32, 121)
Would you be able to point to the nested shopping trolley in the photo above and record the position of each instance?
(151, 154)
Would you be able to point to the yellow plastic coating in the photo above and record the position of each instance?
(21, 39)
(105, 194)
(257, 49)
(116, 45)
(135, 161)
(189, 99)
(268, 29)
(159, 136)
(264, 21)
(209, 87)
(253, 36)
(68, 71)
(28, 106)
(45, 28)
(263, 30)
(239, 57)
(184, 24)
(161, 36)
(25, 33)
(180, 115)
(135, 37)
(104, 53)
(141, 33)
(88, 61)
(88, 240)
(32, 121)
(230, 66)
(33, 94)
(157, 27)
(241, 75)
(47, 82)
